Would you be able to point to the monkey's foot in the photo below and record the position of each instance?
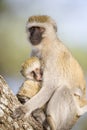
(19, 112)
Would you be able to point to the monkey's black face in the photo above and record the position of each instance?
(35, 34)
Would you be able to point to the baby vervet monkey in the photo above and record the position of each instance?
(61, 74)
(31, 70)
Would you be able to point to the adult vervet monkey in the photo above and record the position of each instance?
(61, 74)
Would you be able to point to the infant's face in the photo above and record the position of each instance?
(37, 74)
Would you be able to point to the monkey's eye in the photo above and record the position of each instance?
(31, 30)
(42, 29)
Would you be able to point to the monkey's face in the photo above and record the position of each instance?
(35, 75)
(40, 28)
(38, 74)
(35, 34)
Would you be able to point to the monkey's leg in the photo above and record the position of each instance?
(61, 109)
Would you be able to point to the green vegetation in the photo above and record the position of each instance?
(81, 56)
(14, 48)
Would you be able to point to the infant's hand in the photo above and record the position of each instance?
(19, 112)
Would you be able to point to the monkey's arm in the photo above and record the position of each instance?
(35, 102)
(39, 99)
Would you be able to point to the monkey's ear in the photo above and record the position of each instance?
(52, 21)
(55, 27)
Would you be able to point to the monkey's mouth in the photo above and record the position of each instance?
(35, 41)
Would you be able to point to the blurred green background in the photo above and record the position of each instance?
(70, 16)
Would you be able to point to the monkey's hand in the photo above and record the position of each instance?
(19, 112)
